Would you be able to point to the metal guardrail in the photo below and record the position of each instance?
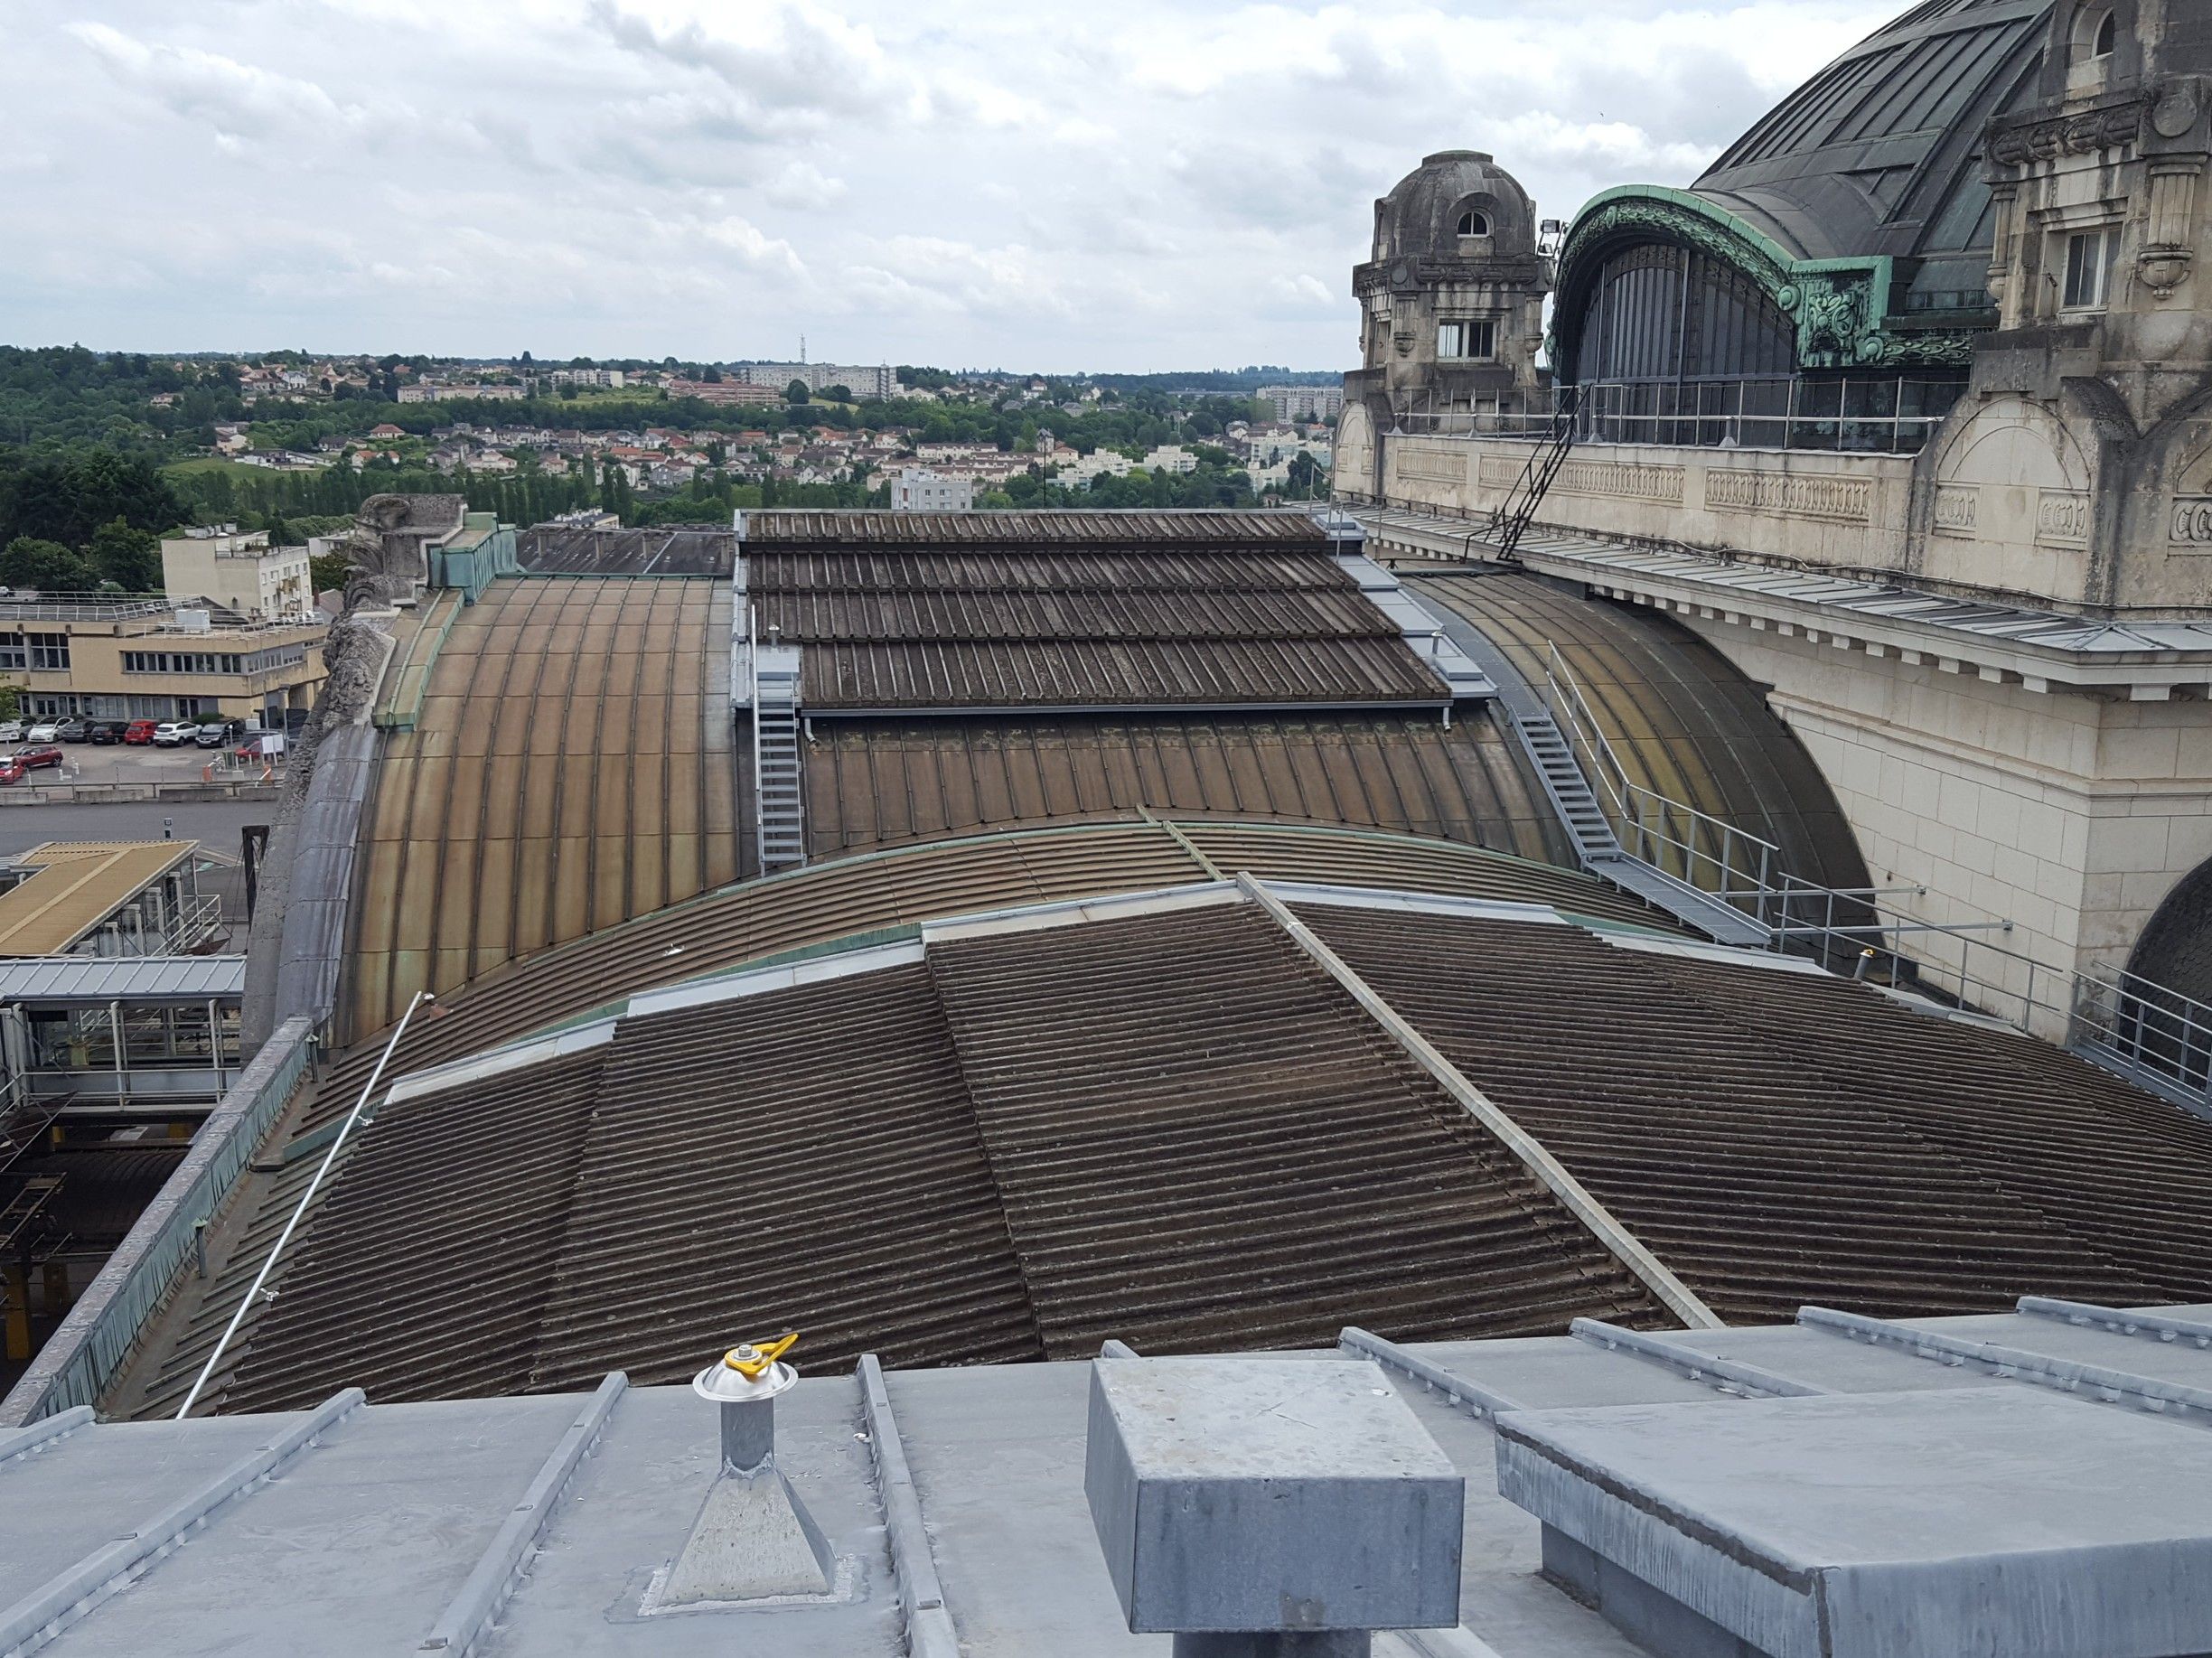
(83, 1356)
(1833, 925)
(2159, 1037)
(1851, 413)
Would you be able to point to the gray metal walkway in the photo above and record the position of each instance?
(1596, 848)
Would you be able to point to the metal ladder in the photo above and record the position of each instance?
(778, 812)
(1572, 798)
(1515, 512)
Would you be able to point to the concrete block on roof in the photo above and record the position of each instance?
(1877, 1525)
(1243, 1494)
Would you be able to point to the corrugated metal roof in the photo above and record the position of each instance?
(570, 770)
(78, 885)
(1180, 625)
(1156, 526)
(55, 980)
(679, 549)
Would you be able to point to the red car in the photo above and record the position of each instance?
(24, 761)
(139, 733)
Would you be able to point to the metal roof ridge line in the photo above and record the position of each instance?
(1213, 869)
(1458, 1391)
(1618, 1240)
(1705, 1367)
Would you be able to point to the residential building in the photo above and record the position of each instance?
(724, 392)
(1170, 458)
(495, 392)
(239, 571)
(1303, 402)
(604, 379)
(818, 377)
(151, 658)
(917, 489)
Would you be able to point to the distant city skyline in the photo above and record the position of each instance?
(1137, 189)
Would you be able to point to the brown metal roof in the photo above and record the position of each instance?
(1173, 1129)
(1779, 1138)
(870, 783)
(1168, 1125)
(1150, 525)
(76, 885)
(571, 769)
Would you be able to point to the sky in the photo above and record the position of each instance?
(1144, 185)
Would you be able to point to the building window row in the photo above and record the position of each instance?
(183, 661)
(50, 652)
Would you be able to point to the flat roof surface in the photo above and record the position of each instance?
(365, 1537)
(77, 885)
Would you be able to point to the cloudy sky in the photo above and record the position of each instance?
(1027, 183)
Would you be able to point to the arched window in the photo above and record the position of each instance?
(1472, 223)
(2096, 31)
(2108, 32)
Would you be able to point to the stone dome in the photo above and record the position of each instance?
(1454, 193)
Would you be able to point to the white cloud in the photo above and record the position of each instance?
(1046, 186)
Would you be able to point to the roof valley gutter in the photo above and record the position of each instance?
(72, 1592)
(930, 1633)
(1672, 1292)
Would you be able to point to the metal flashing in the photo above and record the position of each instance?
(469, 1614)
(1412, 903)
(1073, 911)
(1458, 1393)
(2097, 1381)
(22, 1441)
(41, 1615)
(499, 1061)
(1725, 1375)
(2149, 1325)
(762, 981)
(930, 1633)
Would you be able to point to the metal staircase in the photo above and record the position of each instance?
(779, 811)
(1514, 513)
(1572, 798)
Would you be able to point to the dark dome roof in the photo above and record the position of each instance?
(1421, 214)
(1879, 153)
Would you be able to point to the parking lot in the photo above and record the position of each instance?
(86, 762)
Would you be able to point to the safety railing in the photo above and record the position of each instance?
(1846, 929)
(1886, 414)
(2161, 1036)
(85, 1352)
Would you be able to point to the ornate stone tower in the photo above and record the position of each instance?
(1451, 305)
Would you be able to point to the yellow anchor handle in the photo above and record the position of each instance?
(752, 1360)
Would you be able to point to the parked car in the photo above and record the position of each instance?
(221, 731)
(170, 732)
(75, 730)
(43, 731)
(24, 761)
(139, 732)
(106, 731)
(11, 730)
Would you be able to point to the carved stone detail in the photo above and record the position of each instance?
(2062, 517)
(2017, 143)
(2192, 520)
(1427, 463)
(1847, 500)
(1625, 480)
(1958, 509)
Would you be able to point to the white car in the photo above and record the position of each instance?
(10, 731)
(171, 733)
(45, 731)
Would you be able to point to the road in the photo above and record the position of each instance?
(214, 822)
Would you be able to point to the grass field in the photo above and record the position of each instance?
(204, 463)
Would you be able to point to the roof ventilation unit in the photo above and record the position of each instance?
(754, 1540)
(1257, 1509)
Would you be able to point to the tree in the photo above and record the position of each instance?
(796, 392)
(326, 572)
(838, 394)
(127, 557)
(47, 566)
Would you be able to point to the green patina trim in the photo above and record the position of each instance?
(1841, 307)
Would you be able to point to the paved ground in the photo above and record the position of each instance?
(215, 823)
(118, 764)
